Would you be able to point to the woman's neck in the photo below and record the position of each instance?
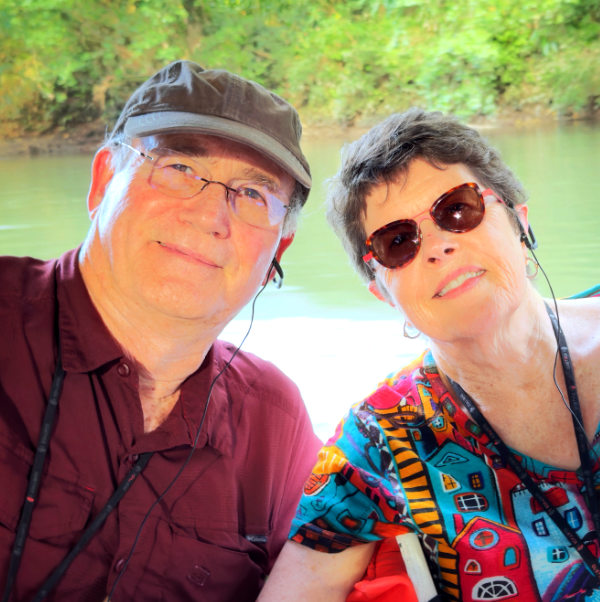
(518, 352)
(511, 375)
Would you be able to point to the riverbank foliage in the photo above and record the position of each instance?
(66, 62)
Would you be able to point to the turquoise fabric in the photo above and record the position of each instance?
(409, 457)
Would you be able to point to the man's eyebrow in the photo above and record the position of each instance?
(189, 150)
(260, 177)
(194, 148)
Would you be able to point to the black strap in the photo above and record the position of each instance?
(112, 503)
(35, 477)
(587, 462)
(509, 458)
(33, 487)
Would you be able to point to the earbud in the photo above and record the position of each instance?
(275, 265)
(530, 241)
(275, 272)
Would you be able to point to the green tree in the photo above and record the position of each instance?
(64, 62)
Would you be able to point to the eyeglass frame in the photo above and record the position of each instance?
(228, 190)
(486, 194)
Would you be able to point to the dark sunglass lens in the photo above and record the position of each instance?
(460, 211)
(396, 244)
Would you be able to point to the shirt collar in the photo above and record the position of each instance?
(86, 344)
(217, 430)
(181, 426)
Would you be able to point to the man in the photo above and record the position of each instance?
(193, 199)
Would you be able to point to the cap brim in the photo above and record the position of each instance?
(171, 121)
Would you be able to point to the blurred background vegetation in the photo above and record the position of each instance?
(68, 62)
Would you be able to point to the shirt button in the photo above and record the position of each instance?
(119, 564)
(123, 369)
(134, 458)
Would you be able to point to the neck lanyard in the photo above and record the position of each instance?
(33, 486)
(509, 458)
(587, 462)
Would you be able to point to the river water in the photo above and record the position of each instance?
(323, 328)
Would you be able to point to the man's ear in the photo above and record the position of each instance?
(102, 173)
(377, 292)
(284, 243)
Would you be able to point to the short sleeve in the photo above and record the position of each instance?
(304, 445)
(353, 495)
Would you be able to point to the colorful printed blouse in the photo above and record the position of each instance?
(410, 458)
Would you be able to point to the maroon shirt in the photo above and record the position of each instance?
(218, 529)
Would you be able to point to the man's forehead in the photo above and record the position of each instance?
(184, 142)
(201, 145)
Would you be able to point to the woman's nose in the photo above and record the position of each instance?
(437, 243)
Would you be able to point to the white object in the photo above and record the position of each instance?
(416, 566)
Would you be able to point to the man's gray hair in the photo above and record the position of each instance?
(386, 151)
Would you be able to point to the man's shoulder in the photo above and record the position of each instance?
(28, 278)
(25, 277)
(257, 377)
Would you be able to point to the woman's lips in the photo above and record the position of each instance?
(461, 280)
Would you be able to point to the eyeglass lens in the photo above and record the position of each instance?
(397, 243)
(252, 202)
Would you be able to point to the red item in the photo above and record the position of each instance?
(385, 579)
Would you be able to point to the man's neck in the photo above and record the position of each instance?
(166, 349)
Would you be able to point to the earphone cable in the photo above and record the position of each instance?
(556, 384)
(196, 438)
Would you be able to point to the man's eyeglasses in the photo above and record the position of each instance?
(461, 209)
(175, 175)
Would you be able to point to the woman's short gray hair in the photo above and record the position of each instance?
(386, 151)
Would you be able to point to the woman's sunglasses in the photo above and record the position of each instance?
(461, 209)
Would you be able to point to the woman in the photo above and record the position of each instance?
(486, 446)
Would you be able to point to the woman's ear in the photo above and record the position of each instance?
(522, 211)
(102, 173)
(377, 292)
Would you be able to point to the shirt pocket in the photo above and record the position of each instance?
(59, 516)
(198, 570)
(63, 505)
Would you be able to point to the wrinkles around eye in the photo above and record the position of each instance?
(258, 190)
(178, 166)
(252, 193)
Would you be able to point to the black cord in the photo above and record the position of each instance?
(35, 477)
(93, 527)
(562, 396)
(196, 438)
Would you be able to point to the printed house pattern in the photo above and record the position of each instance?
(410, 458)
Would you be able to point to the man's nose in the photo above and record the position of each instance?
(209, 208)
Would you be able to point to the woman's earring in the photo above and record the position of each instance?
(531, 268)
(409, 331)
